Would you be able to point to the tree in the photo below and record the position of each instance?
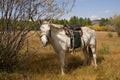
(65, 21)
(104, 22)
(89, 22)
(15, 24)
(81, 21)
(115, 21)
(73, 20)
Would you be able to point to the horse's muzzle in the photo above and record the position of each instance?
(44, 43)
(44, 40)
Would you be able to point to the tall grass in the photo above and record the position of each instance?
(45, 65)
(105, 49)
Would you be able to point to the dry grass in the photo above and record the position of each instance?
(42, 63)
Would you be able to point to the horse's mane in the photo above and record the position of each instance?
(56, 27)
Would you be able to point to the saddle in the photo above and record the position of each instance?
(75, 33)
(72, 28)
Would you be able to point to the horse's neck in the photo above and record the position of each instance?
(56, 36)
(54, 32)
(52, 38)
(55, 29)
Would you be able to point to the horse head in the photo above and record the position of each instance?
(44, 32)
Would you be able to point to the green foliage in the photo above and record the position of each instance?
(63, 21)
(19, 24)
(104, 50)
(89, 22)
(74, 20)
(104, 22)
(81, 21)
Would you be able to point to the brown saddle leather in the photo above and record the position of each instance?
(74, 28)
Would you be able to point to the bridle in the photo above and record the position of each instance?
(47, 34)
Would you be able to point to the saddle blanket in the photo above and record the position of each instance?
(75, 40)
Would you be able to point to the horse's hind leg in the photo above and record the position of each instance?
(85, 56)
(92, 55)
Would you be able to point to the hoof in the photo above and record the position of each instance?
(63, 73)
(95, 66)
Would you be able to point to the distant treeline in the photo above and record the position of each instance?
(6, 24)
(73, 20)
(81, 21)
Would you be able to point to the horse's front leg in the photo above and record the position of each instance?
(62, 61)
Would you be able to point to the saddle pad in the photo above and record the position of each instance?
(76, 40)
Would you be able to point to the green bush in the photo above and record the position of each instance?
(110, 35)
(104, 50)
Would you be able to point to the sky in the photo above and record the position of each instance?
(94, 9)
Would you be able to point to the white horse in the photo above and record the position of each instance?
(61, 42)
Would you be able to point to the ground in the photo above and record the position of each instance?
(42, 63)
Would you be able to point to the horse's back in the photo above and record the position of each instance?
(87, 29)
(89, 35)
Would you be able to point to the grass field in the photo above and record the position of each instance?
(42, 63)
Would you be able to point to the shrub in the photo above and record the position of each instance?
(115, 21)
(110, 35)
(105, 49)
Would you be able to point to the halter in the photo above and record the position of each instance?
(44, 33)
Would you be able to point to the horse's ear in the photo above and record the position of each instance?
(50, 21)
(40, 22)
